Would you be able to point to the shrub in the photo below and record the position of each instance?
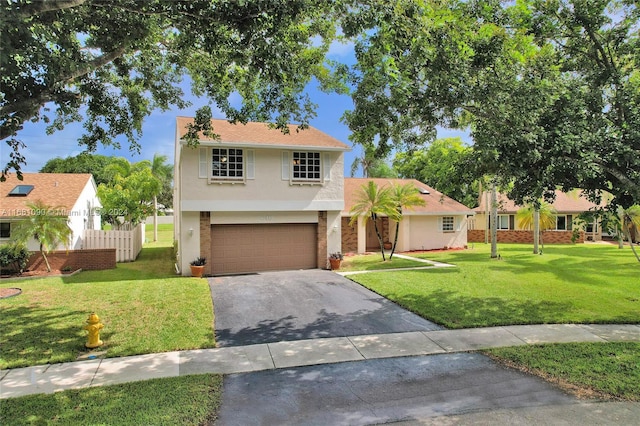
(14, 258)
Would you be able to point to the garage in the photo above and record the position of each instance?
(263, 247)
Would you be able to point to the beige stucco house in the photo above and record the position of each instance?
(72, 195)
(440, 223)
(257, 199)
(568, 207)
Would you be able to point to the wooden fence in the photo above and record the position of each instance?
(127, 243)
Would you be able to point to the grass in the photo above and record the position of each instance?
(373, 262)
(186, 400)
(143, 305)
(596, 369)
(568, 284)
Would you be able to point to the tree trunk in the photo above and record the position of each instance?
(155, 218)
(375, 226)
(633, 249)
(494, 221)
(46, 261)
(536, 230)
(395, 240)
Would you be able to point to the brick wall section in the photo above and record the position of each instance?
(205, 240)
(385, 229)
(322, 240)
(526, 237)
(349, 236)
(88, 260)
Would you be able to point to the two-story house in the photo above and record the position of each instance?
(257, 199)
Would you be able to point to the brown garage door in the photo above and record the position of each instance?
(255, 248)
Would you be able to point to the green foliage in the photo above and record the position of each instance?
(127, 198)
(185, 400)
(403, 197)
(83, 163)
(443, 166)
(549, 89)
(73, 58)
(47, 225)
(13, 257)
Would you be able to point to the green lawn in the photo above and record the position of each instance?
(187, 400)
(143, 305)
(373, 262)
(568, 284)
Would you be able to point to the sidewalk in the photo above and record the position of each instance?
(240, 359)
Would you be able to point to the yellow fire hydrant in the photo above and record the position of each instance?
(93, 327)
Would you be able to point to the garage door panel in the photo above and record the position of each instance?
(255, 248)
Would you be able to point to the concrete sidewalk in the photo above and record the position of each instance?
(240, 359)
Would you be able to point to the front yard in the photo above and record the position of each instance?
(146, 308)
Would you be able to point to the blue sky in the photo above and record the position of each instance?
(159, 129)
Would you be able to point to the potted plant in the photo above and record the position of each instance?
(335, 259)
(197, 267)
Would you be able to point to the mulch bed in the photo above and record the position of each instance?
(8, 292)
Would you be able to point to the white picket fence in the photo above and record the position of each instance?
(127, 243)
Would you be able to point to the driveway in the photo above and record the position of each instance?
(294, 305)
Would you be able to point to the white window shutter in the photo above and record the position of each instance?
(203, 171)
(440, 224)
(251, 164)
(285, 165)
(327, 166)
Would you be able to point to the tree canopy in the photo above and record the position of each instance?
(110, 63)
(549, 89)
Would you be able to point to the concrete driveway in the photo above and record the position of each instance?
(294, 305)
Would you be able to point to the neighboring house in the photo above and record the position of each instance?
(440, 223)
(568, 207)
(74, 195)
(257, 199)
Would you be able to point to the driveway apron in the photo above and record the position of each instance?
(294, 305)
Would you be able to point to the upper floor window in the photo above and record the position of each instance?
(226, 164)
(306, 166)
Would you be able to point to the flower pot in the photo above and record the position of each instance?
(387, 245)
(335, 264)
(197, 271)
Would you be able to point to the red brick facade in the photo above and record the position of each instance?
(205, 240)
(525, 237)
(322, 240)
(349, 236)
(88, 260)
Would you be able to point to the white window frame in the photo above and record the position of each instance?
(292, 159)
(447, 222)
(205, 165)
(499, 224)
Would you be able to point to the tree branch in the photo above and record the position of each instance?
(43, 6)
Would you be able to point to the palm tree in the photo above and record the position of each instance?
(373, 201)
(630, 220)
(47, 225)
(164, 173)
(539, 218)
(404, 197)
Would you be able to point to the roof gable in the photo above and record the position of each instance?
(254, 133)
(436, 203)
(53, 189)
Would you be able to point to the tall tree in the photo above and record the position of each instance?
(82, 163)
(630, 223)
(75, 58)
(549, 89)
(47, 225)
(373, 201)
(443, 166)
(404, 197)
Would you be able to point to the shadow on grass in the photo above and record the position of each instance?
(152, 263)
(38, 335)
(454, 311)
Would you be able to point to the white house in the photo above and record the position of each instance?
(257, 199)
(440, 223)
(73, 195)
